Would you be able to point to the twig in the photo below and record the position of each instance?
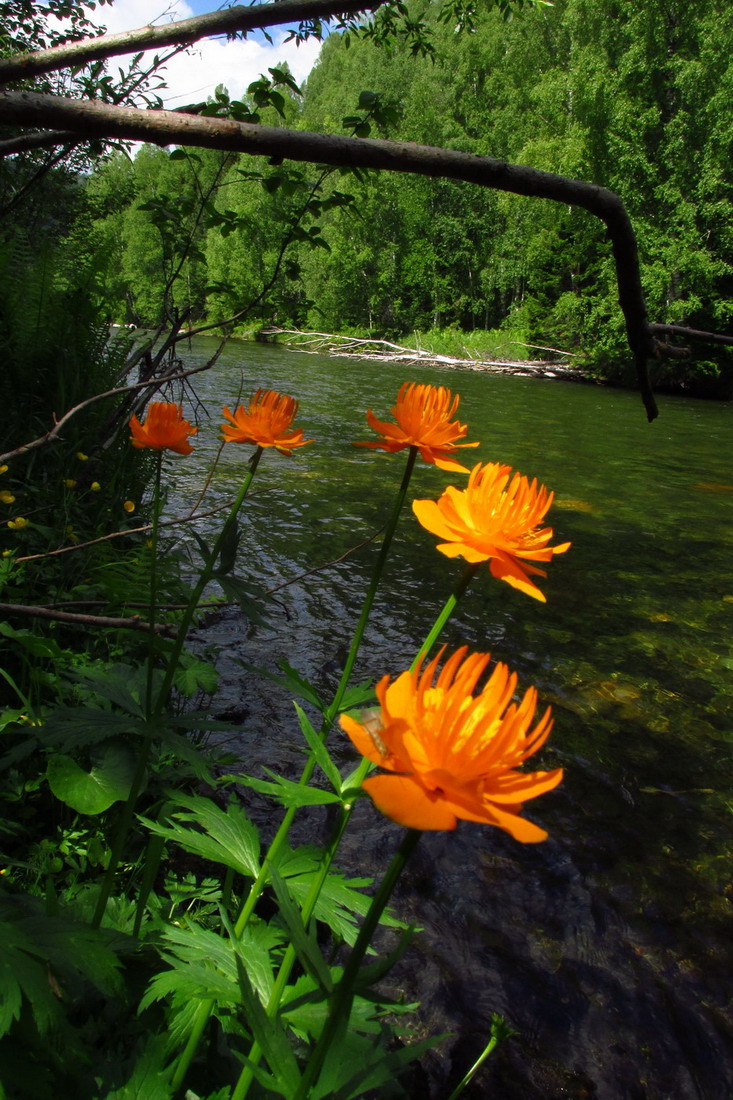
(132, 623)
(59, 424)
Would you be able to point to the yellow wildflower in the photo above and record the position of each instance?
(18, 523)
(129, 506)
(6, 497)
(82, 457)
(70, 483)
(95, 486)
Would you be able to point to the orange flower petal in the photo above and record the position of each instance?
(408, 803)
(452, 752)
(494, 519)
(164, 429)
(265, 422)
(423, 419)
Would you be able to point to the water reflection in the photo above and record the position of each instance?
(607, 946)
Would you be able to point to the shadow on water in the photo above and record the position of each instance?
(607, 947)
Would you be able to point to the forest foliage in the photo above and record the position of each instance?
(630, 97)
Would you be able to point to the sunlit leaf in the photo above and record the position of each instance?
(92, 792)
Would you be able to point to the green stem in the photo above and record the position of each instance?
(290, 957)
(372, 590)
(153, 713)
(343, 995)
(125, 821)
(449, 607)
(153, 601)
(204, 1011)
(204, 578)
(488, 1049)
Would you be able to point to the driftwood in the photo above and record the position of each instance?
(352, 347)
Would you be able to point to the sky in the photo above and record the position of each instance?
(193, 75)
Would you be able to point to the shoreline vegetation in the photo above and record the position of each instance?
(352, 347)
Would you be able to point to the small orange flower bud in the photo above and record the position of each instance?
(129, 506)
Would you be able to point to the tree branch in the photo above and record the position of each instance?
(181, 33)
(692, 334)
(134, 622)
(95, 120)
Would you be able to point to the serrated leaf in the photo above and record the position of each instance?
(193, 675)
(247, 595)
(95, 791)
(319, 750)
(150, 1079)
(292, 681)
(123, 685)
(340, 901)
(224, 836)
(204, 964)
(270, 1036)
(286, 792)
(304, 941)
(74, 727)
(357, 695)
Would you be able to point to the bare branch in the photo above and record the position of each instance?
(692, 334)
(181, 33)
(134, 622)
(24, 142)
(167, 127)
(54, 432)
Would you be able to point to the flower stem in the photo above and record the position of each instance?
(343, 995)
(372, 590)
(449, 607)
(123, 825)
(205, 1008)
(204, 578)
(154, 712)
(290, 957)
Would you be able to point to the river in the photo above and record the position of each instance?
(609, 946)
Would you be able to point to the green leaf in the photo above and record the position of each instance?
(303, 940)
(74, 727)
(357, 696)
(149, 1079)
(367, 100)
(340, 900)
(270, 1036)
(92, 792)
(286, 792)
(231, 537)
(193, 675)
(248, 595)
(222, 836)
(292, 681)
(204, 964)
(319, 750)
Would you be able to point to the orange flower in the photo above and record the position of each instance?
(450, 754)
(265, 422)
(423, 414)
(164, 429)
(496, 520)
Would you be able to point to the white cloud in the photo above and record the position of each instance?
(192, 76)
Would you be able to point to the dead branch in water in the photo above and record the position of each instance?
(353, 347)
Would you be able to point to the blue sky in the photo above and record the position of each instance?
(194, 75)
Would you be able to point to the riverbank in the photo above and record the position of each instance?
(350, 347)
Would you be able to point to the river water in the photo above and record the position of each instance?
(608, 947)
